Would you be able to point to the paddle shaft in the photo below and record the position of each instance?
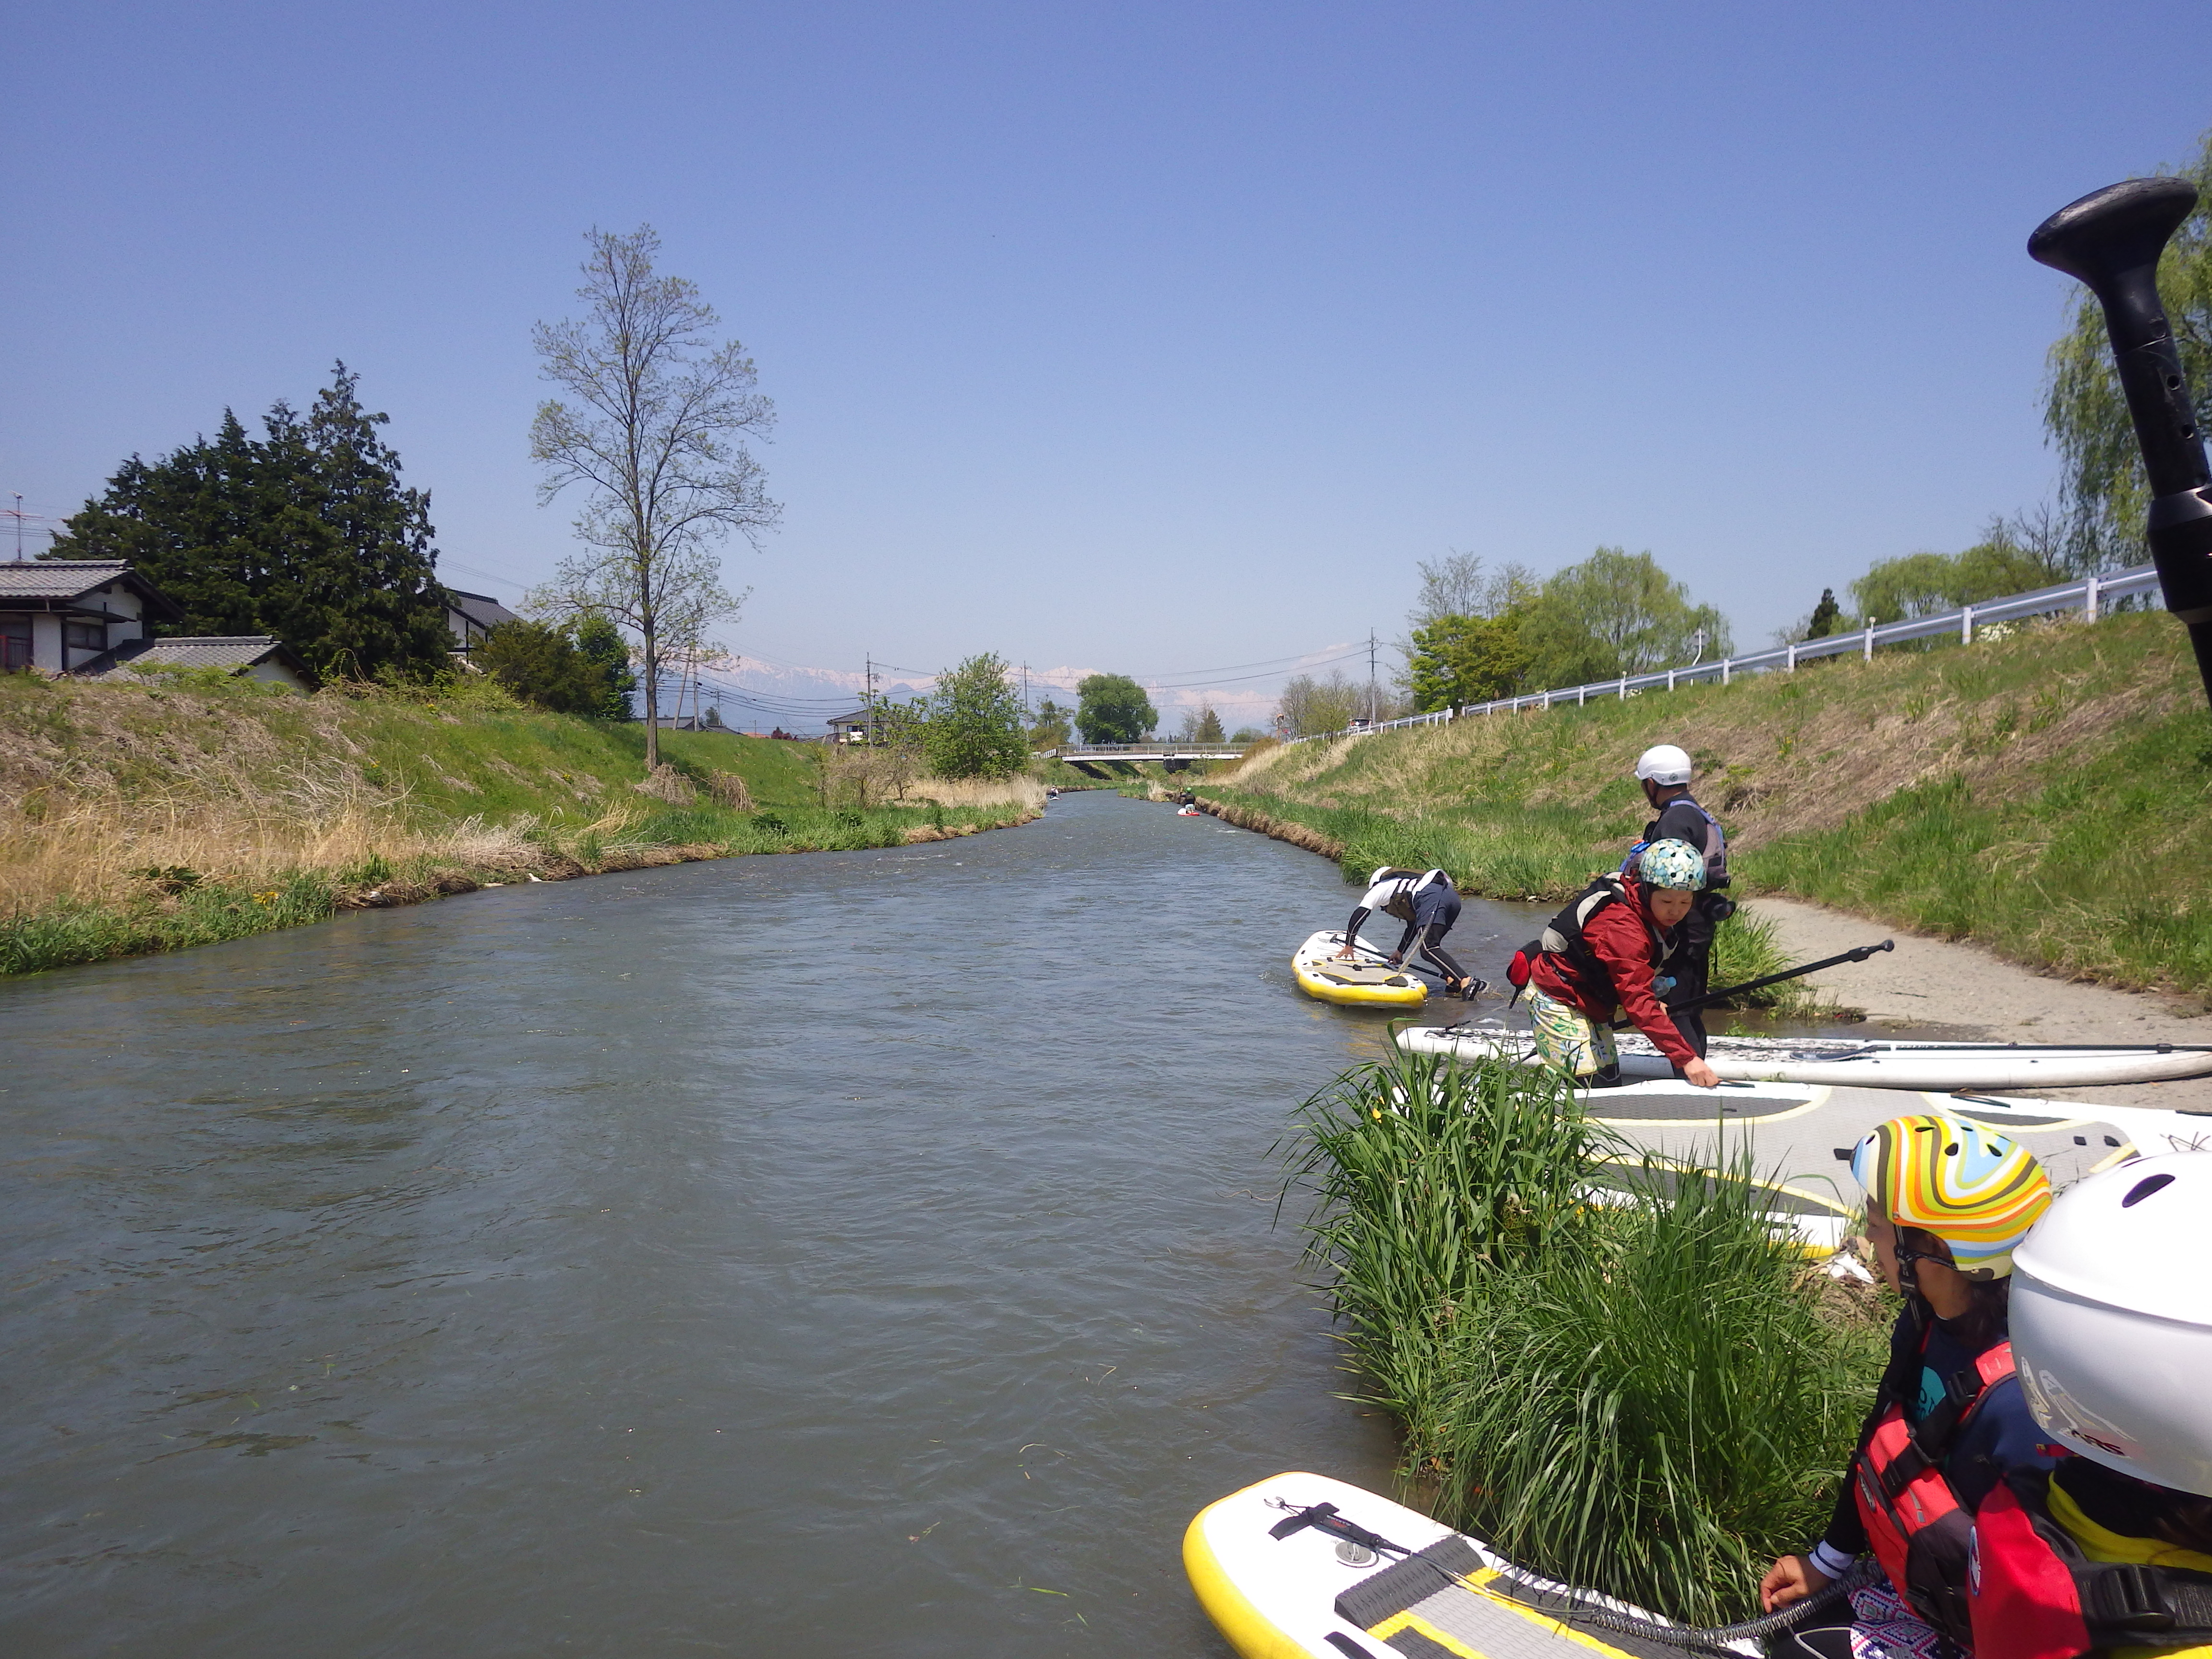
(1858, 954)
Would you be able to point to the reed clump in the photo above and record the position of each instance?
(1618, 1374)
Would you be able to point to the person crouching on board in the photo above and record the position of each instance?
(1947, 1201)
(1428, 903)
(1663, 772)
(1603, 956)
(2110, 1550)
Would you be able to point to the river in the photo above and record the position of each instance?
(853, 1253)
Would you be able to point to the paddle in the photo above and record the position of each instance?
(1860, 954)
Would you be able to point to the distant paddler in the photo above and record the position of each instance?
(1428, 903)
(1606, 955)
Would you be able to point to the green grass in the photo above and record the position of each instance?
(1642, 1397)
(2039, 794)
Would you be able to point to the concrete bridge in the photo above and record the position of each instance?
(1096, 757)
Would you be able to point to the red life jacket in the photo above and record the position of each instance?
(1915, 1524)
(2033, 1595)
(1570, 953)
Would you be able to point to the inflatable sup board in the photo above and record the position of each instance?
(1363, 981)
(1278, 1586)
(1849, 1063)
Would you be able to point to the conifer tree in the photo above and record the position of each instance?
(307, 534)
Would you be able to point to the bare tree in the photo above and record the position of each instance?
(657, 438)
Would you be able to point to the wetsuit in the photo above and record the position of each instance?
(1428, 904)
(1683, 819)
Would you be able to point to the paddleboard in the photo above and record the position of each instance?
(1280, 1587)
(1363, 981)
(1849, 1063)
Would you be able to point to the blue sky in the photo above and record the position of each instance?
(1145, 338)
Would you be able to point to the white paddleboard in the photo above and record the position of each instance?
(1307, 1595)
(1849, 1063)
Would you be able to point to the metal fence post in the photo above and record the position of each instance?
(1623, 688)
(1582, 696)
(1726, 664)
(2089, 600)
(1792, 664)
(1869, 642)
(1670, 679)
(1965, 624)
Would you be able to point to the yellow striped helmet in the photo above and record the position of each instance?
(1977, 1190)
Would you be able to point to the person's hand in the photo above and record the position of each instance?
(1697, 1071)
(1346, 951)
(1790, 1579)
(1390, 962)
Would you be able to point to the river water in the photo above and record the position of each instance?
(854, 1253)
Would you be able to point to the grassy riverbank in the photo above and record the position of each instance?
(139, 818)
(1648, 1396)
(2039, 795)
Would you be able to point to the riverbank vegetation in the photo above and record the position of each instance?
(2038, 793)
(1621, 1379)
(195, 808)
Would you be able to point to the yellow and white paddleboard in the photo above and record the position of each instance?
(1363, 981)
(1279, 1588)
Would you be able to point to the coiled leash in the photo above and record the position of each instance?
(1579, 1613)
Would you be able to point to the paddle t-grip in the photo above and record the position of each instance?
(2110, 239)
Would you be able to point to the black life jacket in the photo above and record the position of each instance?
(1714, 842)
(1562, 940)
(1915, 1524)
(2033, 1595)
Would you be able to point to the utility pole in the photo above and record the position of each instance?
(19, 526)
(1027, 717)
(870, 729)
(1373, 712)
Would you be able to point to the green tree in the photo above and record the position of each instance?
(1308, 707)
(2103, 497)
(974, 724)
(1051, 728)
(1113, 709)
(655, 437)
(599, 639)
(1202, 725)
(541, 664)
(1458, 660)
(1828, 616)
(1922, 584)
(305, 533)
(1616, 614)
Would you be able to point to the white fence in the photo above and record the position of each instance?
(2087, 597)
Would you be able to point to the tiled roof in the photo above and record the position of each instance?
(57, 579)
(481, 609)
(207, 651)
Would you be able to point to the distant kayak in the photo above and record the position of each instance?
(1366, 980)
(1280, 1570)
(1878, 1063)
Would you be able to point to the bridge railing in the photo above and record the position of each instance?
(2089, 596)
(1149, 751)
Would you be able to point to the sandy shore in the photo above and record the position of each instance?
(1928, 987)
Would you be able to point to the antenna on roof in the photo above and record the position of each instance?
(19, 526)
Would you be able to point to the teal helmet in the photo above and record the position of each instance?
(1671, 864)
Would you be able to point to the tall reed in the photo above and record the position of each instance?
(1616, 1373)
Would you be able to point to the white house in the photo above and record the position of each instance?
(59, 614)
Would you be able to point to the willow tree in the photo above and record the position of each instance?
(656, 437)
(2102, 494)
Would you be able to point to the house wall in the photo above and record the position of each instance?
(46, 642)
(277, 674)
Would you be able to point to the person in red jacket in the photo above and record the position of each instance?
(1603, 956)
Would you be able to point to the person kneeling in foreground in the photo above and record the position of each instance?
(1947, 1202)
(1601, 956)
(2110, 1551)
(1428, 903)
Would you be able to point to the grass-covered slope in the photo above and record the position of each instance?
(137, 818)
(2042, 795)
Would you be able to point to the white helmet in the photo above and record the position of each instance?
(2111, 1319)
(1663, 763)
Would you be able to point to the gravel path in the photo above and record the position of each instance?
(1926, 987)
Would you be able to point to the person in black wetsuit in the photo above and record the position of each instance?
(1428, 903)
(1664, 772)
